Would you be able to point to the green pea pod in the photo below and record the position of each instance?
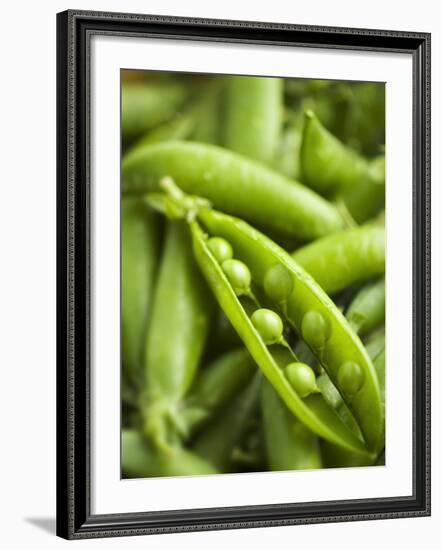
(367, 310)
(331, 168)
(139, 245)
(215, 385)
(311, 313)
(344, 258)
(229, 181)
(142, 459)
(312, 410)
(144, 105)
(334, 456)
(327, 165)
(217, 441)
(290, 444)
(253, 116)
(207, 114)
(175, 340)
(367, 200)
(287, 155)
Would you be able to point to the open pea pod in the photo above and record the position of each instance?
(314, 317)
(312, 410)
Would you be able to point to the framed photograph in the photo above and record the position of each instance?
(243, 274)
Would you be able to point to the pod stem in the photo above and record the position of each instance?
(186, 205)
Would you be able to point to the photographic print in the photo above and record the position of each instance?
(243, 273)
(252, 274)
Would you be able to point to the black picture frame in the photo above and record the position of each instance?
(74, 518)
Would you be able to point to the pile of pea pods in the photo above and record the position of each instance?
(253, 274)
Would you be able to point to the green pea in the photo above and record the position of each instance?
(350, 377)
(301, 378)
(239, 276)
(220, 248)
(315, 329)
(287, 155)
(278, 283)
(268, 324)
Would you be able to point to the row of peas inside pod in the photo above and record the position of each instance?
(278, 286)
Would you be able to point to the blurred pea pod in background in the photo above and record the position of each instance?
(140, 251)
(145, 106)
